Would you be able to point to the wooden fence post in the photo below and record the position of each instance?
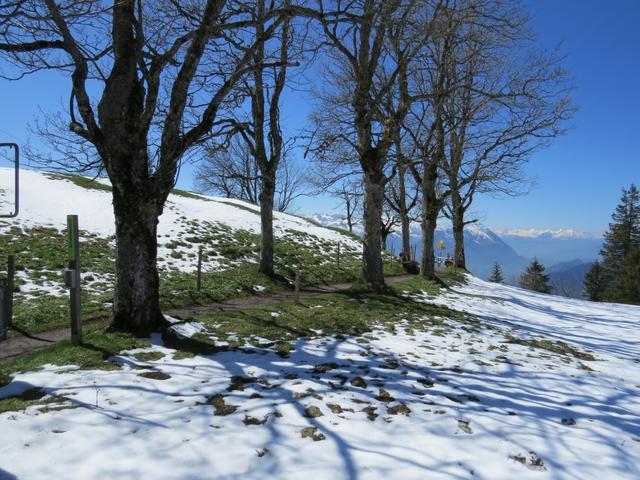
(199, 270)
(297, 285)
(72, 277)
(3, 323)
(11, 273)
(6, 299)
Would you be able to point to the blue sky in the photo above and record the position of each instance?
(578, 179)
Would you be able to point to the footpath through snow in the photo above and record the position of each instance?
(460, 400)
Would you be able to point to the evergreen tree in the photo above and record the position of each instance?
(626, 286)
(595, 283)
(535, 279)
(496, 275)
(623, 234)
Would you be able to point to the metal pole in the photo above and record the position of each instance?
(16, 154)
(72, 276)
(199, 271)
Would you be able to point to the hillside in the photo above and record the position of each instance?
(226, 230)
(475, 381)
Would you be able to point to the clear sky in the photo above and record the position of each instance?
(578, 179)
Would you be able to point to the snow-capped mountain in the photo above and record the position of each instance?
(553, 246)
(483, 247)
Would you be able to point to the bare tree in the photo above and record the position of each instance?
(233, 173)
(402, 196)
(161, 72)
(371, 51)
(508, 100)
(349, 191)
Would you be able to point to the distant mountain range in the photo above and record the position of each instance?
(567, 253)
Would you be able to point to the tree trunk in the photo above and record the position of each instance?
(372, 272)
(405, 255)
(267, 194)
(457, 219)
(428, 261)
(136, 301)
(430, 210)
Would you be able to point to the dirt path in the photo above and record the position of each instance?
(26, 342)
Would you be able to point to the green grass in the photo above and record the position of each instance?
(348, 313)
(98, 345)
(80, 181)
(448, 278)
(559, 347)
(229, 266)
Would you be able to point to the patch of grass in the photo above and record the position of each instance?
(29, 398)
(98, 345)
(148, 356)
(183, 354)
(84, 182)
(419, 284)
(186, 194)
(255, 210)
(350, 313)
(552, 346)
(178, 289)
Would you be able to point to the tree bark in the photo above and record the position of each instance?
(430, 210)
(372, 269)
(457, 220)
(404, 215)
(267, 194)
(136, 302)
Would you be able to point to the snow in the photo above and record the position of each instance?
(559, 234)
(495, 410)
(46, 200)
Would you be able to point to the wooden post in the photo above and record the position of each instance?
(72, 277)
(3, 323)
(339, 254)
(7, 300)
(297, 286)
(199, 270)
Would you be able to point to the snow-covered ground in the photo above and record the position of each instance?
(450, 401)
(187, 224)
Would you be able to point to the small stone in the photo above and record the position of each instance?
(401, 409)
(426, 381)
(464, 426)
(248, 420)
(384, 396)
(312, 432)
(358, 382)
(325, 367)
(370, 411)
(221, 408)
(568, 421)
(312, 412)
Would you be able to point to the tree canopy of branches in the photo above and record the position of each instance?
(490, 98)
(148, 82)
(233, 173)
(371, 52)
